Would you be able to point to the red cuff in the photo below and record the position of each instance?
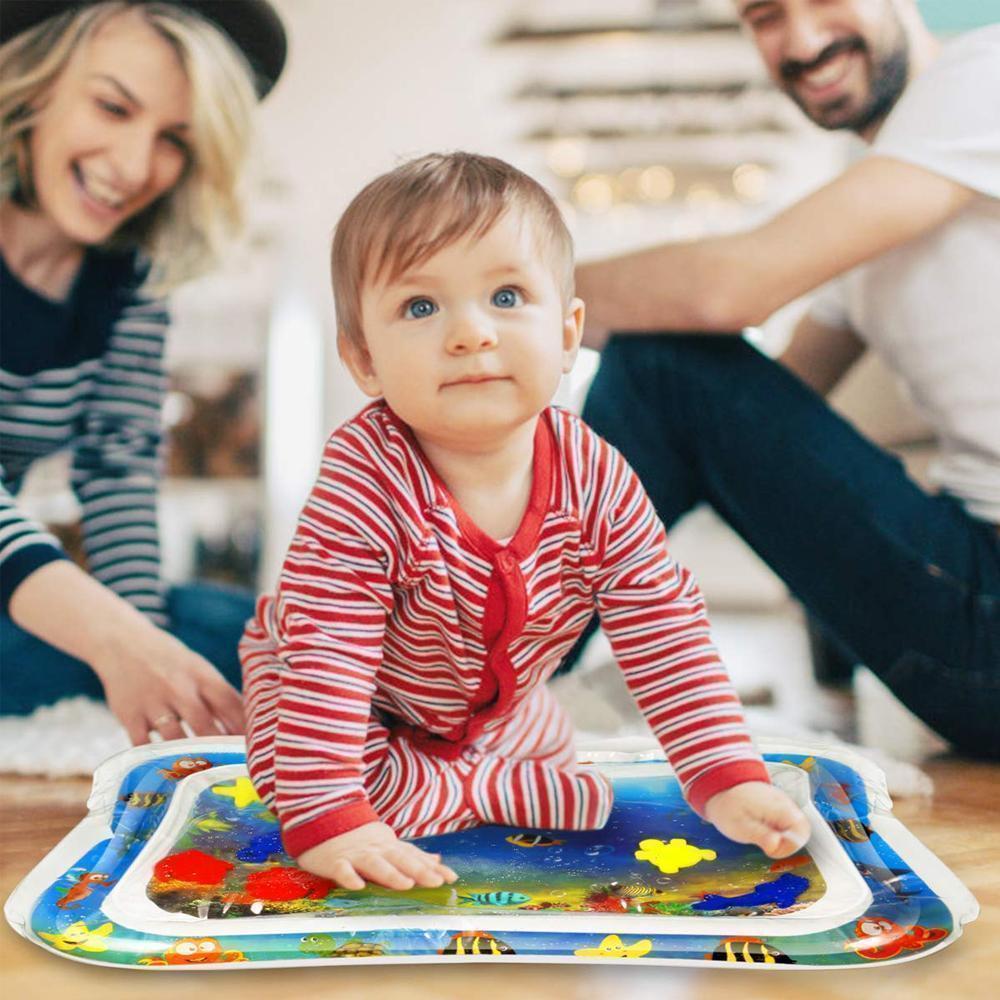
(299, 839)
(722, 777)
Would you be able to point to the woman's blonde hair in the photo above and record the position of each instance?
(183, 232)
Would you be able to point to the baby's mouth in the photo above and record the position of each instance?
(98, 189)
(475, 380)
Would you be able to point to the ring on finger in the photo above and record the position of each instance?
(165, 719)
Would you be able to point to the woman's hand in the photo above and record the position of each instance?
(154, 682)
(756, 812)
(374, 853)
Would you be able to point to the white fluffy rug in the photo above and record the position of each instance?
(73, 736)
(70, 737)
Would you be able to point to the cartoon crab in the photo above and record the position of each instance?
(194, 951)
(879, 938)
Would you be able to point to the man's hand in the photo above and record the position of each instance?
(758, 813)
(374, 853)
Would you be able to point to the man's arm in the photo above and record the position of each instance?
(821, 355)
(726, 283)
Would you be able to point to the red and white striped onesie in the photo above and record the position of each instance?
(399, 671)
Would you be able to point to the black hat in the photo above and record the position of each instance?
(253, 26)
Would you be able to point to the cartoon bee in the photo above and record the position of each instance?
(144, 800)
(194, 951)
(476, 943)
(852, 830)
(184, 766)
(748, 950)
(532, 840)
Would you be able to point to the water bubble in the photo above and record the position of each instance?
(597, 849)
(663, 881)
(557, 893)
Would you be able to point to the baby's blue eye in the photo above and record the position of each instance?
(506, 298)
(420, 308)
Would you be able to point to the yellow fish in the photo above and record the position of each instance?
(212, 823)
(671, 858)
(241, 792)
(79, 935)
(613, 947)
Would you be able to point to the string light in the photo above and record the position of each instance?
(750, 182)
(567, 157)
(594, 192)
(656, 183)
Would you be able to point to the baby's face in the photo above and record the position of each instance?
(471, 343)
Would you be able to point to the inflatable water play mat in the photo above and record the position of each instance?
(178, 865)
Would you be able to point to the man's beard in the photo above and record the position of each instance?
(888, 76)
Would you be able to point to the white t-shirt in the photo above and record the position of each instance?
(931, 308)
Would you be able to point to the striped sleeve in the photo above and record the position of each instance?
(117, 457)
(332, 604)
(24, 546)
(654, 616)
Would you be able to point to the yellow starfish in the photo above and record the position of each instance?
(613, 947)
(241, 792)
(79, 935)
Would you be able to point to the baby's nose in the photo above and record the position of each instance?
(471, 333)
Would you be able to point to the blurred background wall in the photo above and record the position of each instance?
(648, 119)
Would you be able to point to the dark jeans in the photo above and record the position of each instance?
(206, 617)
(906, 582)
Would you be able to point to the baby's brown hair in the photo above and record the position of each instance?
(411, 213)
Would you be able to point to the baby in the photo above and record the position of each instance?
(460, 535)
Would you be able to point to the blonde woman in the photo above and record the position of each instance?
(124, 128)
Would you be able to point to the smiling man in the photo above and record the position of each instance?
(846, 66)
(906, 246)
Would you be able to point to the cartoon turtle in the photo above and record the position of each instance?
(357, 948)
(318, 945)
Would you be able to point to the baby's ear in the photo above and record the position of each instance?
(572, 332)
(359, 363)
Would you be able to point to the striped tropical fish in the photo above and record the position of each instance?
(500, 898)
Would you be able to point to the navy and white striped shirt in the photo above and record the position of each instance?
(86, 375)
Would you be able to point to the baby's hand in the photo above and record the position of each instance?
(758, 813)
(374, 853)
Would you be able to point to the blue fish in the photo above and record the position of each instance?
(783, 891)
(261, 847)
(496, 898)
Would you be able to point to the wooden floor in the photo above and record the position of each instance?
(961, 824)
